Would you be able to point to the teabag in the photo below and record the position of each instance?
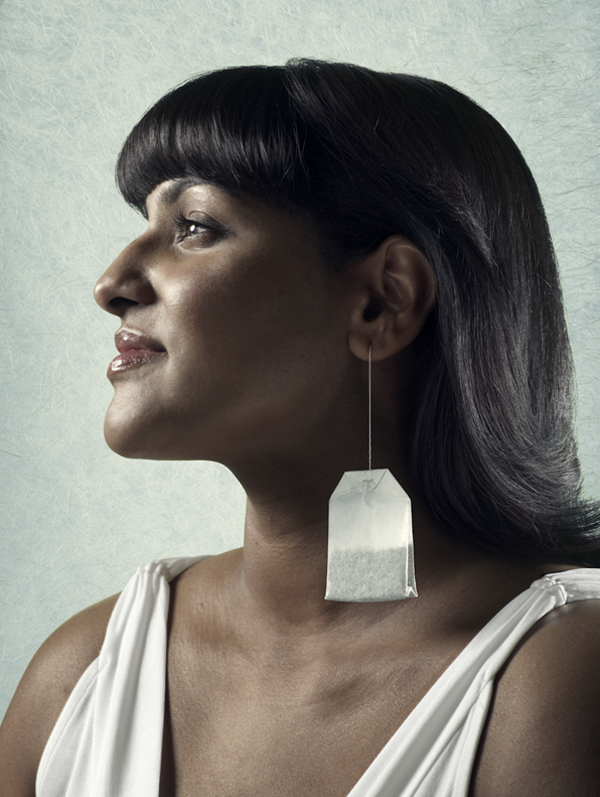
(370, 550)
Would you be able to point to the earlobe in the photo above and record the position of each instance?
(398, 293)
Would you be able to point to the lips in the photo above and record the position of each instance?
(128, 340)
(135, 350)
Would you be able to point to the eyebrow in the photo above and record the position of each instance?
(171, 194)
(176, 189)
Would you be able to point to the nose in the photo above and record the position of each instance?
(125, 283)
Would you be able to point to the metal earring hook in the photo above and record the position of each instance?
(370, 404)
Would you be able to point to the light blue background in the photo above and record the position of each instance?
(75, 76)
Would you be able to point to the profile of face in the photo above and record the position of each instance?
(232, 330)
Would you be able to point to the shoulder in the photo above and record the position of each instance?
(543, 731)
(43, 691)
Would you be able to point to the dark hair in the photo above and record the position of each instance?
(367, 155)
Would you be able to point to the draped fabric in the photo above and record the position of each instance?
(107, 741)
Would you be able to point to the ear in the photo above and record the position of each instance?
(395, 293)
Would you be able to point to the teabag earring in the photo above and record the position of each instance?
(370, 553)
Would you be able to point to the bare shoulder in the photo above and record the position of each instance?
(543, 731)
(42, 693)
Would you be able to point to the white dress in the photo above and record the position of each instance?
(107, 741)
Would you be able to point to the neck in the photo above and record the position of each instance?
(283, 568)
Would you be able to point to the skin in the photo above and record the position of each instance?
(271, 689)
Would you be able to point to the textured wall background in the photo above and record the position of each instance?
(75, 76)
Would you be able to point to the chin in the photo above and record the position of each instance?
(145, 436)
(129, 433)
(125, 443)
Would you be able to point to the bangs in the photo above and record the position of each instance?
(234, 128)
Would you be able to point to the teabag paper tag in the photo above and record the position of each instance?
(370, 549)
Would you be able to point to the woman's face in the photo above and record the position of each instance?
(231, 328)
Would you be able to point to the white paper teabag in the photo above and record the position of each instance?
(370, 550)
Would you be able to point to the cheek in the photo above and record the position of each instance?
(230, 307)
(245, 339)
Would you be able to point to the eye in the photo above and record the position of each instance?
(192, 228)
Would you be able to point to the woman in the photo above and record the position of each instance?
(304, 222)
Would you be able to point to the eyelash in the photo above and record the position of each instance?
(183, 224)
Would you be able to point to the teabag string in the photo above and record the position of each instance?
(370, 553)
